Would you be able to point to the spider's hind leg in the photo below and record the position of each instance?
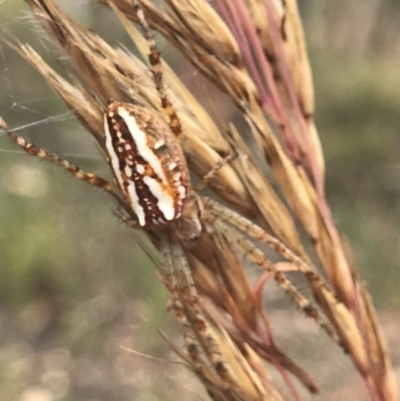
(198, 332)
(234, 225)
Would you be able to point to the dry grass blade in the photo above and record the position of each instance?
(255, 53)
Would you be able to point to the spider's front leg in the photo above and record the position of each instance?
(43, 154)
(175, 123)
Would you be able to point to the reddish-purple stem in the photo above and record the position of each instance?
(372, 389)
(264, 333)
(243, 20)
(233, 20)
(276, 39)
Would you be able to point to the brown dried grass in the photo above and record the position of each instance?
(254, 52)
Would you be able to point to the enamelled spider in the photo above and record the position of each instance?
(151, 172)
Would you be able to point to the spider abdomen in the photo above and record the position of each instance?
(147, 161)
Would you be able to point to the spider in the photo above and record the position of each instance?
(151, 172)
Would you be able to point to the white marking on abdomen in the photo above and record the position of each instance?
(128, 171)
(137, 208)
(159, 143)
(164, 201)
(140, 168)
(140, 139)
(182, 191)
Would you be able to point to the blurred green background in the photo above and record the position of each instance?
(74, 287)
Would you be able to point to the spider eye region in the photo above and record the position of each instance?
(147, 162)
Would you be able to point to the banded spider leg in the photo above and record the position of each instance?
(185, 302)
(234, 226)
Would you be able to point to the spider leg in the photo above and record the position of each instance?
(211, 174)
(258, 257)
(197, 362)
(132, 223)
(156, 69)
(256, 232)
(171, 282)
(33, 150)
(232, 225)
(189, 311)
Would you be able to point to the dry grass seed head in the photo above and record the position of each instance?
(120, 75)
